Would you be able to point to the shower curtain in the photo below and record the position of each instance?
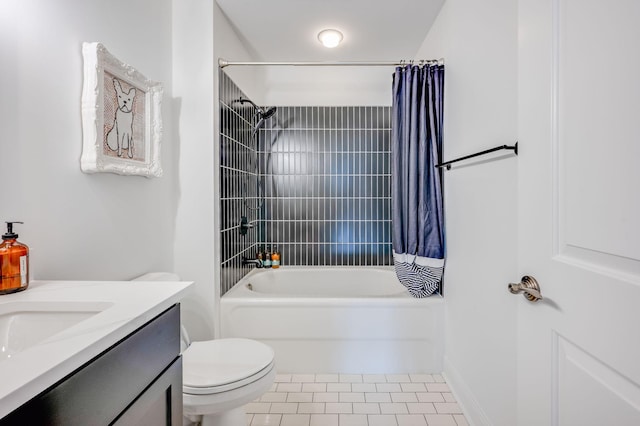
(416, 193)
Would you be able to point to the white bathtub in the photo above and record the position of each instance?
(336, 320)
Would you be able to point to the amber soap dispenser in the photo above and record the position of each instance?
(14, 263)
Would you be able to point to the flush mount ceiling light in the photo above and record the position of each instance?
(330, 38)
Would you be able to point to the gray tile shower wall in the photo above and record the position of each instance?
(327, 184)
(315, 182)
(238, 183)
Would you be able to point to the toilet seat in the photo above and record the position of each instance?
(222, 365)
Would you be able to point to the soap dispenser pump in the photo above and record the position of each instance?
(14, 262)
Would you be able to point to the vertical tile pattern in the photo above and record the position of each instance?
(324, 174)
(327, 179)
(238, 182)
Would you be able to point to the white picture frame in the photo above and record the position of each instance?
(121, 117)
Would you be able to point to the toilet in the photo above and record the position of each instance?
(220, 376)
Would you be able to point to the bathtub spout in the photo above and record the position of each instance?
(256, 262)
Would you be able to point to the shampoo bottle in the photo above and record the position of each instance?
(14, 263)
(267, 258)
(275, 258)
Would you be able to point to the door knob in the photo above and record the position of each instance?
(529, 288)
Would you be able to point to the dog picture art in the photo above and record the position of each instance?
(123, 115)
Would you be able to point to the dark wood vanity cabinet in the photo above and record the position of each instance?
(138, 381)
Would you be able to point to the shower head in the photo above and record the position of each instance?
(260, 111)
(268, 113)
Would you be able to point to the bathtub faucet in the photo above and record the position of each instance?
(256, 262)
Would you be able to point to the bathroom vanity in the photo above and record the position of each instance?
(80, 353)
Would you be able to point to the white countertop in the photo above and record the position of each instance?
(129, 305)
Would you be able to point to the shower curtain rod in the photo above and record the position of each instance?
(224, 63)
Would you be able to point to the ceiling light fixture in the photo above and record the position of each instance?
(330, 38)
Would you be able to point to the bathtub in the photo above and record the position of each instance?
(336, 320)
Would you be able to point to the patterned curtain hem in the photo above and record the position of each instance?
(420, 275)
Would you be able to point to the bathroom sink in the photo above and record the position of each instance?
(56, 327)
(26, 324)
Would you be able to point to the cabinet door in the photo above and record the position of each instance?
(160, 404)
(98, 392)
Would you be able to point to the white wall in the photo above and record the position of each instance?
(193, 81)
(105, 226)
(80, 226)
(479, 43)
(229, 46)
(201, 34)
(327, 86)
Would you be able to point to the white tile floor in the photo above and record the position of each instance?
(356, 400)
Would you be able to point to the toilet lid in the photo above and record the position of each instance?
(215, 363)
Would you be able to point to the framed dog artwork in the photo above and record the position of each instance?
(121, 117)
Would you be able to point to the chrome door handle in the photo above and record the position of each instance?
(529, 287)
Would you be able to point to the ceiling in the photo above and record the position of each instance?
(286, 30)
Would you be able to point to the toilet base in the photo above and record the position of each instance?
(235, 417)
(226, 408)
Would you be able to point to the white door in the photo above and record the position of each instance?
(579, 211)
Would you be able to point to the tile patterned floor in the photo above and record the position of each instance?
(356, 400)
